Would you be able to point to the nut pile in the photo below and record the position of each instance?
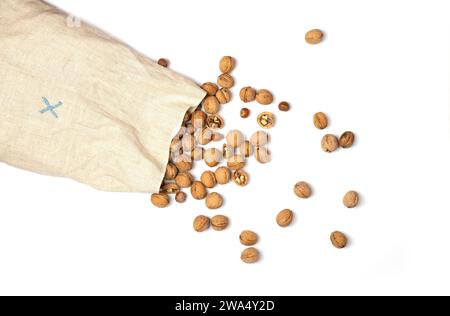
(202, 128)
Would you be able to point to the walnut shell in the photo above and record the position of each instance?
(285, 218)
(201, 223)
(223, 96)
(266, 120)
(240, 177)
(236, 162)
(184, 163)
(198, 190)
(250, 255)
(223, 175)
(211, 105)
(219, 222)
(227, 64)
(184, 179)
(320, 120)
(264, 97)
(247, 94)
(208, 178)
(214, 201)
(314, 36)
(170, 188)
(302, 190)
(160, 200)
(198, 119)
(204, 136)
(351, 199)
(248, 238)
(212, 157)
(339, 240)
(225, 81)
(210, 88)
(330, 143)
(171, 171)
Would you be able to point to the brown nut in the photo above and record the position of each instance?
(330, 143)
(266, 120)
(250, 255)
(285, 218)
(184, 163)
(223, 96)
(223, 175)
(214, 201)
(187, 117)
(198, 190)
(208, 178)
(176, 145)
(198, 119)
(170, 188)
(212, 157)
(314, 36)
(264, 97)
(215, 122)
(347, 139)
(163, 62)
(181, 197)
(204, 136)
(227, 150)
(219, 222)
(284, 106)
(246, 149)
(211, 105)
(216, 137)
(184, 179)
(201, 223)
(171, 171)
(197, 153)
(210, 88)
(320, 120)
(227, 64)
(160, 200)
(245, 113)
(188, 142)
(235, 138)
(225, 81)
(248, 238)
(339, 240)
(190, 129)
(351, 199)
(236, 162)
(240, 177)
(262, 155)
(303, 190)
(247, 94)
(259, 139)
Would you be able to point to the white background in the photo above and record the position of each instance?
(382, 72)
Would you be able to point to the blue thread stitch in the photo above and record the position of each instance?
(50, 108)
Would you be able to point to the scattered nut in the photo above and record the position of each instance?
(219, 222)
(208, 178)
(246, 149)
(351, 199)
(215, 122)
(285, 218)
(184, 179)
(235, 138)
(248, 238)
(180, 197)
(163, 62)
(225, 81)
(184, 163)
(175, 145)
(303, 190)
(245, 113)
(264, 97)
(223, 175)
(240, 177)
(170, 188)
(204, 136)
(227, 64)
(284, 106)
(211, 105)
(262, 155)
(160, 200)
(210, 88)
(314, 36)
(214, 201)
(320, 120)
(247, 94)
(223, 95)
(339, 240)
(198, 190)
(347, 139)
(198, 119)
(266, 120)
(201, 223)
(212, 157)
(259, 139)
(330, 143)
(236, 162)
(250, 255)
(171, 171)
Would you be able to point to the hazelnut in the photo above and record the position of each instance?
(198, 119)
(171, 171)
(223, 175)
(240, 177)
(347, 139)
(351, 199)
(284, 106)
(160, 200)
(266, 120)
(188, 142)
(330, 143)
(262, 155)
(208, 178)
(285, 218)
(215, 122)
(236, 162)
(212, 157)
(201, 223)
(211, 105)
(246, 149)
(314, 36)
(219, 222)
(180, 197)
(225, 81)
(210, 88)
(170, 188)
(250, 255)
(248, 238)
(227, 64)
(214, 201)
(163, 62)
(235, 138)
(198, 190)
(223, 95)
(339, 240)
(247, 94)
(259, 139)
(245, 113)
(303, 190)
(184, 163)
(184, 179)
(320, 120)
(197, 153)
(264, 97)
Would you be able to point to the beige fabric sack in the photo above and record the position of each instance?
(77, 103)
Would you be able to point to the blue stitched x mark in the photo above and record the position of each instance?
(50, 108)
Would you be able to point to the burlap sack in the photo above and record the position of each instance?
(77, 103)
